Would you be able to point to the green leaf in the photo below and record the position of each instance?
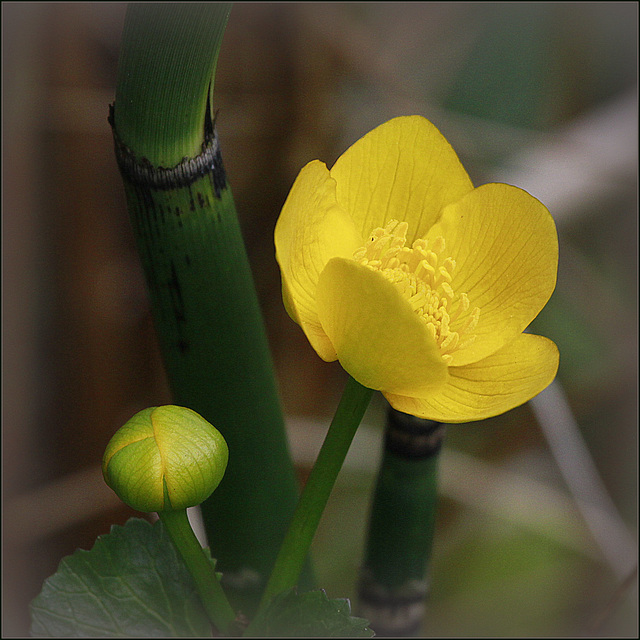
(310, 615)
(130, 584)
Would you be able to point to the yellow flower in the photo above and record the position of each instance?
(419, 284)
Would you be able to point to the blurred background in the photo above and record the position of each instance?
(537, 531)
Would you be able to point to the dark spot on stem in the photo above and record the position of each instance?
(175, 290)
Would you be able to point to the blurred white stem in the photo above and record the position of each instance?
(579, 471)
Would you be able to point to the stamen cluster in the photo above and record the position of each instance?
(424, 278)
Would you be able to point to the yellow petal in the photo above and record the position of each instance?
(508, 378)
(379, 340)
(402, 170)
(311, 229)
(505, 245)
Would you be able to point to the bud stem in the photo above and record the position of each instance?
(201, 569)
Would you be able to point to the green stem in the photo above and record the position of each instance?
(200, 567)
(295, 548)
(393, 583)
(168, 58)
(203, 300)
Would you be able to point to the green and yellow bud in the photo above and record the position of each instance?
(165, 458)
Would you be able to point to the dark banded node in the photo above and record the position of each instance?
(412, 438)
(392, 613)
(139, 171)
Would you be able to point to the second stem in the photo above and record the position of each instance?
(315, 495)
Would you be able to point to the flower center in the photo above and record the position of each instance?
(423, 275)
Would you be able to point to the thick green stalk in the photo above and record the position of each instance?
(166, 71)
(203, 299)
(201, 569)
(394, 579)
(317, 490)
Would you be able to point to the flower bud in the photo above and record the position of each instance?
(165, 458)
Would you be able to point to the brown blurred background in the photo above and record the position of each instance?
(541, 95)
